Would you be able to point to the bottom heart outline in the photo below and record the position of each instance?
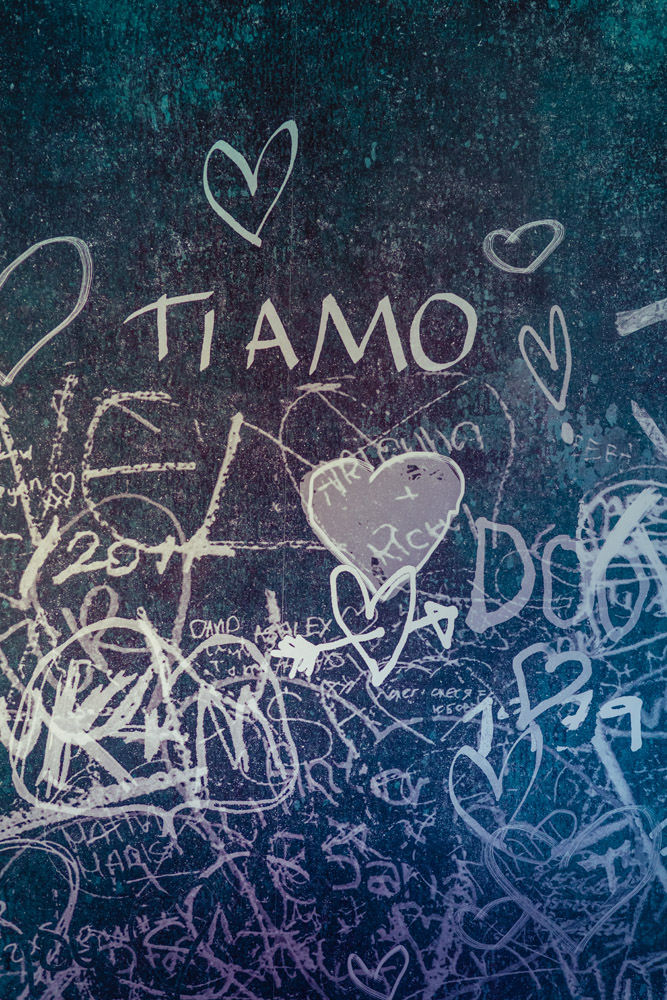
(562, 853)
(356, 967)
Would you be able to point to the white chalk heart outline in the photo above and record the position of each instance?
(551, 355)
(514, 237)
(250, 177)
(496, 781)
(61, 477)
(84, 291)
(552, 660)
(410, 456)
(363, 970)
(567, 851)
(407, 574)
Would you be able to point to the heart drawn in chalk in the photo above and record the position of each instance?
(84, 291)
(513, 238)
(551, 354)
(383, 981)
(530, 711)
(573, 887)
(63, 483)
(393, 585)
(382, 520)
(522, 779)
(250, 177)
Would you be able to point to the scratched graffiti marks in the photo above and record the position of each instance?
(333, 549)
(205, 813)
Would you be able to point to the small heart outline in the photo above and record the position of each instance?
(61, 477)
(528, 712)
(551, 356)
(84, 291)
(398, 949)
(407, 574)
(250, 177)
(514, 237)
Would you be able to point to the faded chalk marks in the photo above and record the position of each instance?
(651, 429)
(332, 592)
(637, 319)
(514, 237)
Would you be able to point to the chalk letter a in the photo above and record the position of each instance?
(281, 340)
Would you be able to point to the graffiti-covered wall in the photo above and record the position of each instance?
(333, 500)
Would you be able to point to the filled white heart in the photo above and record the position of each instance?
(382, 520)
